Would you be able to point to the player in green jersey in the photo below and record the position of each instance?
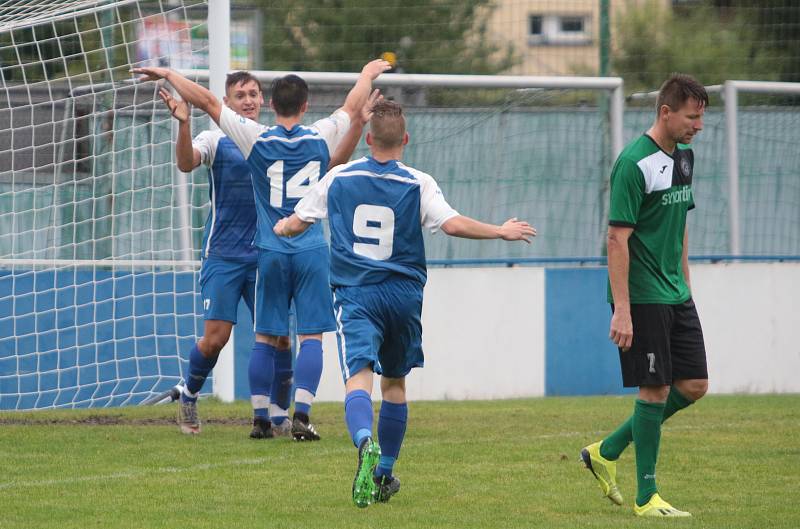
(654, 322)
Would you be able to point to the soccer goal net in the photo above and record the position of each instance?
(97, 228)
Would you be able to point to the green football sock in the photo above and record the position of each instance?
(676, 401)
(646, 426)
(613, 445)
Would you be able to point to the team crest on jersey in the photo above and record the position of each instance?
(686, 167)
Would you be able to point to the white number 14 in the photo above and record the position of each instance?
(295, 186)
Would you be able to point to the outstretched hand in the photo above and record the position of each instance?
(152, 73)
(517, 230)
(179, 109)
(374, 68)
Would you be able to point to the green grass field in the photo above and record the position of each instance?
(733, 461)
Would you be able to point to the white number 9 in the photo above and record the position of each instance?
(374, 222)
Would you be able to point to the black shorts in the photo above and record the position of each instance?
(667, 345)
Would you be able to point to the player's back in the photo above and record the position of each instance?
(290, 161)
(375, 222)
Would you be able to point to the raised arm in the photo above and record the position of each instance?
(350, 140)
(469, 228)
(358, 95)
(186, 155)
(621, 331)
(191, 92)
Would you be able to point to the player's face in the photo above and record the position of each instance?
(687, 121)
(245, 99)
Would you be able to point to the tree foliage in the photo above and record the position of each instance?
(428, 36)
(653, 41)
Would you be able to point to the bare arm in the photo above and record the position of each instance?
(469, 228)
(621, 332)
(350, 140)
(191, 92)
(290, 226)
(358, 95)
(685, 258)
(186, 155)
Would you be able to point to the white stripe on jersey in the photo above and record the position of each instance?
(387, 176)
(213, 212)
(291, 140)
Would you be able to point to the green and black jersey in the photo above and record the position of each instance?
(651, 191)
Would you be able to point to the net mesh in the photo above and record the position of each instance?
(97, 230)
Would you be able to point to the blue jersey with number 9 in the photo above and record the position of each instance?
(376, 212)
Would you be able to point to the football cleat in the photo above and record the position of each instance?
(364, 486)
(262, 429)
(658, 508)
(604, 471)
(283, 429)
(304, 431)
(188, 419)
(387, 486)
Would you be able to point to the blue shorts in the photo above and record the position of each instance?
(301, 277)
(222, 284)
(379, 326)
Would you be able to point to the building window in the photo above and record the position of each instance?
(559, 30)
(536, 25)
(571, 24)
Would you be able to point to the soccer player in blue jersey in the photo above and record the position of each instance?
(286, 160)
(377, 209)
(230, 260)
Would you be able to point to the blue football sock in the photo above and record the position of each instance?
(308, 371)
(358, 415)
(261, 371)
(199, 368)
(281, 397)
(392, 422)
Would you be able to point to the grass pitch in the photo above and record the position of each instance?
(733, 461)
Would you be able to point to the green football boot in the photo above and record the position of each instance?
(364, 487)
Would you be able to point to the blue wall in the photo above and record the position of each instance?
(92, 337)
(579, 357)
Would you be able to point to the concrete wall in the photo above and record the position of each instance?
(526, 332)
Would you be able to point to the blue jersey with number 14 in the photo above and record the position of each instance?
(285, 164)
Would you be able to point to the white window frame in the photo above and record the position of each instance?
(553, 35)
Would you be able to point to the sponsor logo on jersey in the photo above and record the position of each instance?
(684, 194)
(663, 168)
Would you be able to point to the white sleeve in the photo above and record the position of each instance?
(333, 128)
(244, 132)
(314, 205)
(206, 144)
(434, 209)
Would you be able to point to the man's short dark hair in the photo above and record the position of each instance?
(236, 78)
(289, 94)
(678, 89)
